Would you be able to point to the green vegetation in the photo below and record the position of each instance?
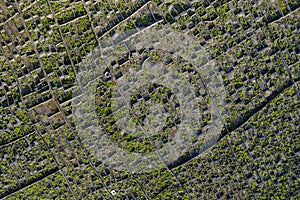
(255, 47)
